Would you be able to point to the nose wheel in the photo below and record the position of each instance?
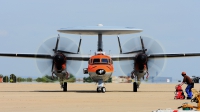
(101, 89)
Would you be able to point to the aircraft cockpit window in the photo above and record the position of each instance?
(89, 61)
(111, 61)
(96, 60)
(104, 60)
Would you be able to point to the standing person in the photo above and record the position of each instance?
(189, 83)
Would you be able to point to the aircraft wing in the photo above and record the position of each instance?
(122, 57)
(173, 55)
(80, 57)
(45, 56)
(77, 57)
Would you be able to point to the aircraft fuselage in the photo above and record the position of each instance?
(100, 67)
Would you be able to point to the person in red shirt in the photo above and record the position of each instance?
(190, 84)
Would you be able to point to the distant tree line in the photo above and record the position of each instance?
(48, 78)
(88, 79)
(14, 79)
(45, 79)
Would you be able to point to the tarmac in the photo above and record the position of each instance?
(119, 97)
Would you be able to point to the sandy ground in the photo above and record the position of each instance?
(43, 97)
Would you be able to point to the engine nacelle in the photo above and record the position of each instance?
(85, 71)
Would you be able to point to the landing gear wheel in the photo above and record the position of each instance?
(134, 87)
(103, 89)
(65, 86)
(98, 89)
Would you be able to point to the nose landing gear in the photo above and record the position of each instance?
(100, 87)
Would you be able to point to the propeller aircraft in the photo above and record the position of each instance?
(144, 55)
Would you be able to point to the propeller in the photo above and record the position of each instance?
(55, 51)
(53, 46)
(147, 46)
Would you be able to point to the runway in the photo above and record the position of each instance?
(42, 97)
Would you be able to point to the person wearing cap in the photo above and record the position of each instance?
(190, 84)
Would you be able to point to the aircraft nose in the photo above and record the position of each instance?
(100, 71)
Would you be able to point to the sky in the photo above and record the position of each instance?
(25, 25)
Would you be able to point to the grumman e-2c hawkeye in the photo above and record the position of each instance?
(100, 66)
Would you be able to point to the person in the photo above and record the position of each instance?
(190, 84)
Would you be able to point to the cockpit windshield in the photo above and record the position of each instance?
(101, 61)
(104, 60)
(97, 60)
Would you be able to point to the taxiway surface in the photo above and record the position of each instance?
(43, 97)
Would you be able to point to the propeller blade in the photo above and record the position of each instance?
(73, 67)
(56, 48)
(79, 46)
(143, 49)
(120, 48)
(44, 66)
(155, 66)
(126, 67)
(52, 66)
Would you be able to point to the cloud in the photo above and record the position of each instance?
(3, 33)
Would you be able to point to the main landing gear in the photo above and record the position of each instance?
(100, 87)
(135, 86)
(64, 86)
